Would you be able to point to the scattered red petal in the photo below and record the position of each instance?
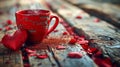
(73, 41)
(32, 54)
(78, 17)
(65, 33)
(7, 28)
(96, 20)
(76, 37)
(26, 65)
(75, 55)
(98, 54)
(92, 50)
(42, 56)
(102, 63)
(81, 38)
(30, 51)
(0, 29)
(83, 42)
(9, 22)
(23, 58)
(70, 30)
(85, 46)
(60, 47)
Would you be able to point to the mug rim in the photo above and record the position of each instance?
(43, 12)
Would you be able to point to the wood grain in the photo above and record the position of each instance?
(100, 34)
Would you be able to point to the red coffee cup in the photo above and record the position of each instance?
(36, 23)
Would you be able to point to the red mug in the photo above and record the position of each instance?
(36, 23)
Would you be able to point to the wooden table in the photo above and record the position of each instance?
(104, 36)
(104, 10)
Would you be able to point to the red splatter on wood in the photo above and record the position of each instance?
(60, 47)
(75, 55)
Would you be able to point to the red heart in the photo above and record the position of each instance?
(16, 41)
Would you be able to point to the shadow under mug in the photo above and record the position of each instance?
(36, 23)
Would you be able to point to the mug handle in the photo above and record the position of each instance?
(55, 24)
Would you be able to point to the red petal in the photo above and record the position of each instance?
(73, 41)
(32, 54)
(7, 28)
(75, 55)
(24, 58)
(42, 56)
(76, 37)
(83, 42)
(26, 65)
(65, 33)
(85, 46)
(98, 54)
(30, 51)
(96, 20)
(92, 50)
(78, 17)
(60, 47)
(70, 30)
(0, 29)
(9, 22)
(102, 63)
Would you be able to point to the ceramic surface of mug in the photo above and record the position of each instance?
(36, 23)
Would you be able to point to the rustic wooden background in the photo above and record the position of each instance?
(103, 35)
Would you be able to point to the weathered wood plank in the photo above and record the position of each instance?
(52, 58)
(48, 62)
(106, 11)
(43, 48)
(64, 61)
(101, 33)
(9, 58)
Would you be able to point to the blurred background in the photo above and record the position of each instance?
(107, 6)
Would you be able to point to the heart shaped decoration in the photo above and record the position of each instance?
(16, 41)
